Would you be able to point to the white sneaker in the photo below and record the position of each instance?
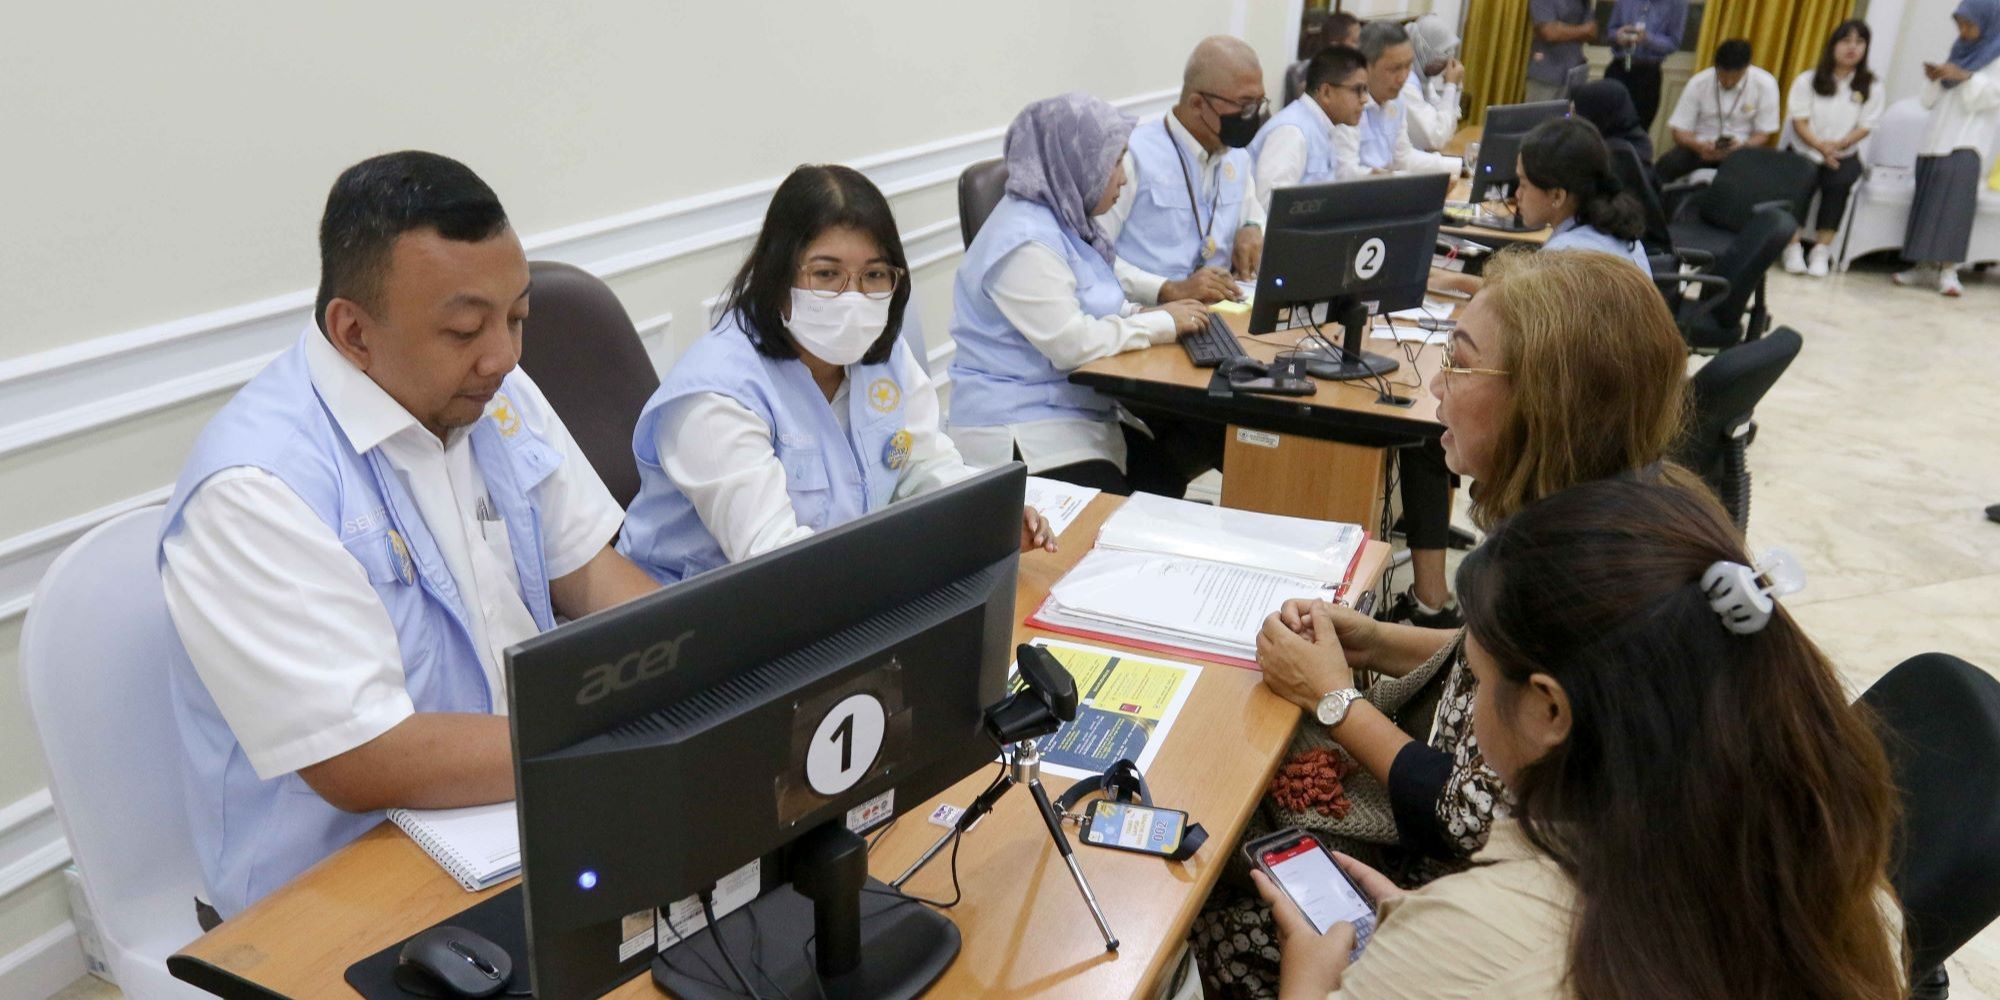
(1948, 283)
(1795, 259)
(1820, 261)
(1910, 278)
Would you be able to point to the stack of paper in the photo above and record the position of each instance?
(1190, 578)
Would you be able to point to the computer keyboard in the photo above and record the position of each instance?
(1212, 346)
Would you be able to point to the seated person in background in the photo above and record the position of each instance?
(1036, 297)
(1833, 107)
(803, 408)
(1724, 108)
(1296, 145)
(1755, 864)
(1342, 28)
(1430, 96)
(1188, 223)
(1381, 143)
(1566, 368)
(363, 529)
(1566, 182)
(1608, 105)
(1561, 28)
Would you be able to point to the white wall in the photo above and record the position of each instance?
(1909, 33)
(165, 166)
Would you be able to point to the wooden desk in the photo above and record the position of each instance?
(1308, 456)
(1461, 189)
(1025, 930)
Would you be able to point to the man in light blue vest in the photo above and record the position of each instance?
(363, 529)
(1380, 144)
(1188, 223)
(1296, 145)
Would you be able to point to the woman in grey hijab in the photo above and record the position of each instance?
(1432, 93)
(1036, 298)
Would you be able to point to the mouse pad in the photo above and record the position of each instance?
(498, 920)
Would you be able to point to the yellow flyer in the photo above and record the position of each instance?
(1126, 706)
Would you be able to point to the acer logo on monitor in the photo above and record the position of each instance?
(633, 668)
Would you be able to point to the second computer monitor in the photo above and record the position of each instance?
(1500, 142)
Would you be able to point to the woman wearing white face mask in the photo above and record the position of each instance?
(802, 409)
(1036, 298)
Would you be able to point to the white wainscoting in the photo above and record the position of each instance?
(32, 846)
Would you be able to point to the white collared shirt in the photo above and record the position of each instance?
(1711, 112)
(281, 623)
(1406, 158)
(1144, 286)
(1282, 161)
(719, 453)
(1832, 118)
(1964, 117)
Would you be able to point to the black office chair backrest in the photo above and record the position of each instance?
(1634, 177)
(1744, 262)
(1727, 389)
(1751, 178)
(580, 347)
(980, 187)
(1940, 718)
(1295, 81)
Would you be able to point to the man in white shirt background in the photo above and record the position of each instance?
(1380, 144)
(1724, 108)
(1336, 91)
(364, 528)
(1188, 223)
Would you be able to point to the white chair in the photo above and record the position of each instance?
(1986, 225)
(95, 673)
(1878, 212)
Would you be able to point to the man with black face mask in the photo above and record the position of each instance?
(1188, 222)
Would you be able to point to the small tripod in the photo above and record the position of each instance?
(1024, 767)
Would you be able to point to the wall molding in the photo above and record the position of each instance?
(59, 393)
(25, 557)
(31, 841)
(43, 966)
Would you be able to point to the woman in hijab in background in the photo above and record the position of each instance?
(1431, 93)
(1608, 105)
(1964, 101)
(1036, 298)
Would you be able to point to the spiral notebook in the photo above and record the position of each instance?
(479, 845)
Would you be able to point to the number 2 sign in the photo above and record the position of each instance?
(1368, 260)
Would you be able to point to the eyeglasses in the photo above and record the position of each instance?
(1357, 89)
(876, 281)
(1449, 371)
(1245, 109)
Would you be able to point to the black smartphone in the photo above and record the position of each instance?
(1305, 870)
(1128, 826)
(1277, 386)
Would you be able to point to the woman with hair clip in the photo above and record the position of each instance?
(1833, 107)
(802, 408)
(1698, 811)
(1566, 368)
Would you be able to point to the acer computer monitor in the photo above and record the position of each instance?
(766, 711)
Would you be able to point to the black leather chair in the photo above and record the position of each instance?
(1940, 721)
(980, 187)
(1726, 392)
(1730, 306)
(1710, 217)
(580, 347)
(1295, 81)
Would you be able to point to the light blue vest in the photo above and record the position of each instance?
(1573, 236)
(1381, 128)
(831, 476)
(1305, 117)
(254, 835)
(1163, 235)
(997, 376)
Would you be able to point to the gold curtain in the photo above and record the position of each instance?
(1495, 54)
(1785, 38)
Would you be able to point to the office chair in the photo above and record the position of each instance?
(94, 670)
(1730, 307)
(582, 350)
(980, 187)
(1726, 391)
(1295, 81)
(1666, 258)
(1709, 217)
(1940, 722)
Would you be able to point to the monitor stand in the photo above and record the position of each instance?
(1350, 362)
(832, 932)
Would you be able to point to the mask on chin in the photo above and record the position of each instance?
(837, 330)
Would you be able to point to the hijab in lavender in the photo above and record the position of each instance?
(1060, 154)
(1974, 56)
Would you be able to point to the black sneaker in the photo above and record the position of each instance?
(1406, 609)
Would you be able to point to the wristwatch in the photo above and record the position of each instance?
(1332, 708)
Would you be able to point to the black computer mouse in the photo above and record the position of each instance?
(455, 961)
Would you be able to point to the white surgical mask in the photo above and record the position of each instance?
(838, 330)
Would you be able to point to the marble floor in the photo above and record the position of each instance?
(1875, 458)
